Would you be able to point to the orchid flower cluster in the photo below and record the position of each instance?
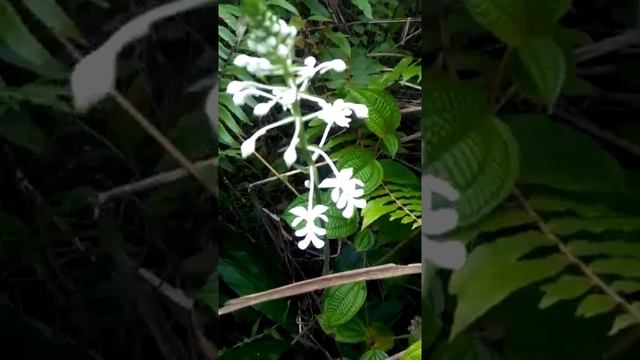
(272, 39)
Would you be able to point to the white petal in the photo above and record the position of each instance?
(360, 110)
(356, 193)
(241, 60)
(290, 156)
(323, 217)
(359, 203)
(310, 61)
(328, 183)
(262, 108)
(319, 209)
(296, 221)
(319, 244)
(335, 194)
(348, 211)
(300, 211)
(248, 147)
(304, 243)
(346, 173)
(302, 232)
(235, 86)
(342, 201)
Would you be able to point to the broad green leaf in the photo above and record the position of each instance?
(22, 48)
(52, 15)
(595, 304)
(625, 286)
(341, 41)
(365, 167)
(351, 332)
(468, 147)
(242, 267)
(550, 9)
(364, 6)
(560, 160)
(396, 173)
(285, 5)
(341, 303)
(617, 266)
(623, 321)
(365, 240)
(337, 227)
(373, 354)
(384, 113)
(375, 209)
(566, 288)
(546, 65)
(380, 337)
(315, 7)
(18, 128)
(493, 271)
(506, 19)
(391, 144)
(414, 352)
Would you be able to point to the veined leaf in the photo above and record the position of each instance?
(341, 41)
(365, 240)
(414, 352)
(468, 147)
(351, 332)
(546, 65)
(384, 113)
(493, 271)
(373, 354)
(506, 19)
(341, 303)
(380, 337)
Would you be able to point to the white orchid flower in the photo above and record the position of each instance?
(346, 192)
(310, 231)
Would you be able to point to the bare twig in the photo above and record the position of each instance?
(319, 283)
(397, 356)
(607, 46)
(150, 182)
(590, 127)
(595, 279)
(175, 295)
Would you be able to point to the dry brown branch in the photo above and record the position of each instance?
(319, 283)
(609, 45)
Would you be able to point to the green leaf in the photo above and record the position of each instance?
(617, 266)
(546, 65)
(52, 15)
(493, 271)
(365, 240)
(506, 19)
(208, 294)
(373, 354)
(567, 226)
(365, 167)
(242, 267)
(395, 172)
(285, 5)
(468, 147)
(391, 144)
(414, 352)
(341, 303)
(18, 128)
(566, 288)
(380, 337)
(553, 203)
(337, 227)
(341, 41)
(364, 6)
(623, 321)
(384, 113)
(611, 248)
(351, 332)
(315, 7)
(22, 48)
(595, 304)
(561, 159)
